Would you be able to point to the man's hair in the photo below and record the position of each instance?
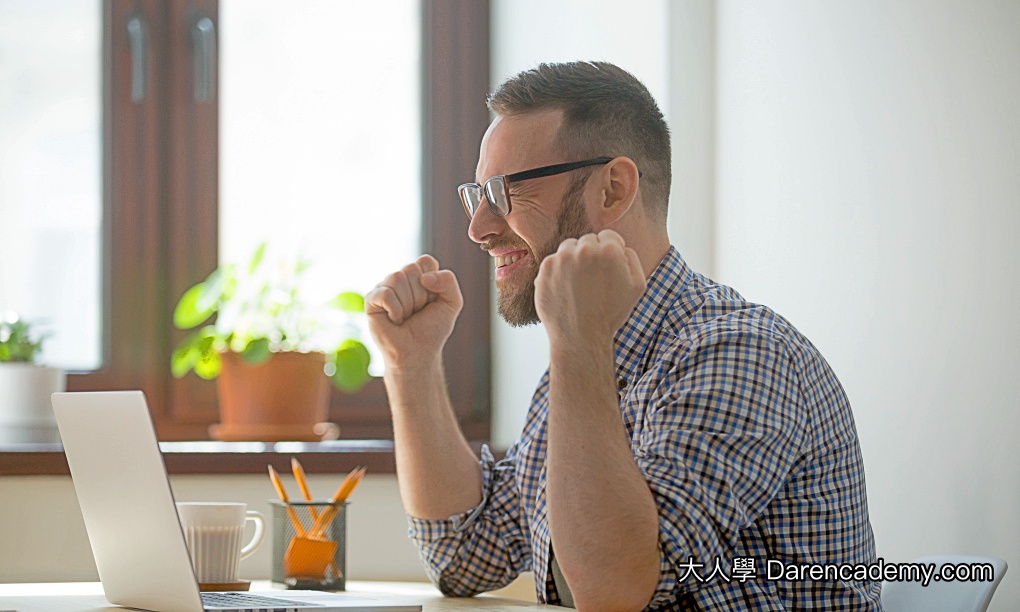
(606, 112)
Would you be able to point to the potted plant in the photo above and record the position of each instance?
(272, 350)
(26, 414)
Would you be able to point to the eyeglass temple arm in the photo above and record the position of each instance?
(557, 169)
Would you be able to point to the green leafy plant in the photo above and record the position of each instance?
(16, 340)
(260, 310)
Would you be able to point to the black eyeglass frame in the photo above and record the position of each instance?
(505, 180)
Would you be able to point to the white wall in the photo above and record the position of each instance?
(525, 33)
(43, 539)
(691, 116)
(854, 165)
(868, 188)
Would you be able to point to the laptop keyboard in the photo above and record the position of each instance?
(244, 601)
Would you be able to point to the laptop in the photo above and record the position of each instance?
(128, 506)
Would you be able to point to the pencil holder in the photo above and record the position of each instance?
(314, 558)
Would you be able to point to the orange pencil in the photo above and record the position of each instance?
(283, 497)
(299, 476)
(346, 488)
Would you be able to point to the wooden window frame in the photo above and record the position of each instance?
(160, 206)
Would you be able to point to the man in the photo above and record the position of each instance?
(680, 434)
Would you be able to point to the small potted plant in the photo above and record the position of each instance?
(271, 350)
(26, 414)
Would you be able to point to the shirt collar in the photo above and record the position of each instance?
(632, 341)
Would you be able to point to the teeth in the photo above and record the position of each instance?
(506, 261)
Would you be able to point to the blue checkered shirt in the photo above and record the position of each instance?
(747, 442)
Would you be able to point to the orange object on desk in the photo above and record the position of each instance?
(308, 558)
(310, 553)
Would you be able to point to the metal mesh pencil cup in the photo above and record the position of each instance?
(290, 569)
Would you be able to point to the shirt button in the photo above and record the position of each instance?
(622, 383)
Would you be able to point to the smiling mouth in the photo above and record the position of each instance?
(505, 260)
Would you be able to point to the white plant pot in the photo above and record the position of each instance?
(26, 414)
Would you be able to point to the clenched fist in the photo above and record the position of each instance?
(588, 287)
(412, 311)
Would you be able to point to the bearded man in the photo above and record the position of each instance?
(682, 436)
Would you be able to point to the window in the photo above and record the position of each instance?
(161, 213)
(335, 142)
(50, 188)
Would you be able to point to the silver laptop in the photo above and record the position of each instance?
(128, 507)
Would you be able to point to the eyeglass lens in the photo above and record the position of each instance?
(471, 198)
(495, 193)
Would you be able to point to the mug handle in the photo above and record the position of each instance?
(260, 532)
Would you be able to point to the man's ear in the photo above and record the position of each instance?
(619, 189)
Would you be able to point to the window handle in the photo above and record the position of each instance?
(204, 41)
(136, 39)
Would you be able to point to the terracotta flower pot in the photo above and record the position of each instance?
(284, 398)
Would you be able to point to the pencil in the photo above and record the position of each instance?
(299, 476)
(346, 488)
(283, 497)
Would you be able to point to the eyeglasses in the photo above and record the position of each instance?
(497, 188)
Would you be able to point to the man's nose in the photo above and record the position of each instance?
(484, 224)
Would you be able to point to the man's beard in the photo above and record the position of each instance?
(517, 307)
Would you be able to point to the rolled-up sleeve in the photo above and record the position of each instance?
(483, 548)
(720, 436)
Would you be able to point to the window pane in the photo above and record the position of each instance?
(50, 174)
(320, 136)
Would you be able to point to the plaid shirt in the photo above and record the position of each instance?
(747, 442)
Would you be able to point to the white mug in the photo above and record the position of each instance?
(213, 531)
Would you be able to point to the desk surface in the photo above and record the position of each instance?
(88, 597)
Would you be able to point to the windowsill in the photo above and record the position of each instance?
(220, 457)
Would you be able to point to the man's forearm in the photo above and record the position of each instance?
(437, 472)
(602, 515)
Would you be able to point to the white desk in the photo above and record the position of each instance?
(88, 597)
